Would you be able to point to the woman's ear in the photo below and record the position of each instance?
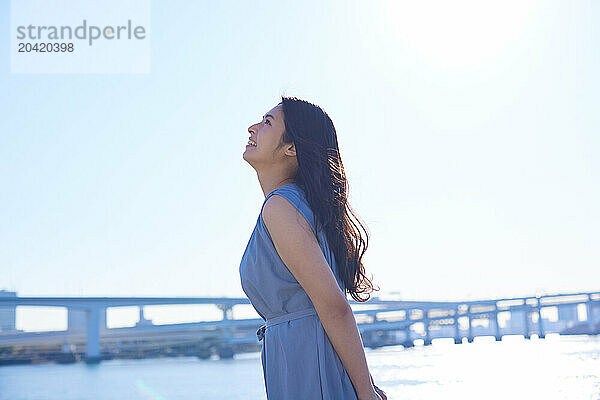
(291, 150)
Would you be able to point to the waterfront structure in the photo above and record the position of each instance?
(380, 322)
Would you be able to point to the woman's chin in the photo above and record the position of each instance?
(246, 157)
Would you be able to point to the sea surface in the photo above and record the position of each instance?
(549, 369)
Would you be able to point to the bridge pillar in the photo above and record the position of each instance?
(92, 345)
(591, 318)
(457, 338)
(143, 321)
(470, 334)
(227, 311)
(526, 321)
(541, 333)
(427, 340)
(497, 333)
(225, 349)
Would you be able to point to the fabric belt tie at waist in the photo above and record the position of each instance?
(260, 333)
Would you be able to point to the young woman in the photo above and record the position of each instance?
(303, 256)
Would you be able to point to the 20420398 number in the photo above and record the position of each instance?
(46, 47)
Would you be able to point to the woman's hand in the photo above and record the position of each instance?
(374, 396)
(379, 393)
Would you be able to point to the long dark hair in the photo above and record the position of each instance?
(322, 178)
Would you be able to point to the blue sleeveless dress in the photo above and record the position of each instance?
(298, 360)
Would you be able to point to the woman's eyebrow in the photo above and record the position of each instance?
(269, 115)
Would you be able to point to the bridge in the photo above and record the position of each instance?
(380, 322)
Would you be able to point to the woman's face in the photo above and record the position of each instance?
(267, 135)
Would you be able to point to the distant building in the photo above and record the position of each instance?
(517, 321)
(7, 313)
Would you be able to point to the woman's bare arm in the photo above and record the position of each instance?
(298, 248)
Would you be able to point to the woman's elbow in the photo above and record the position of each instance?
(338, 310)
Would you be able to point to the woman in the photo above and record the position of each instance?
(303, 256)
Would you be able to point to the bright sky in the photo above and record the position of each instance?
(467, 133)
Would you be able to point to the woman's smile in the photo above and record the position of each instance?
(251, 143)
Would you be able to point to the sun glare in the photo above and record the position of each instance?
(458, 33)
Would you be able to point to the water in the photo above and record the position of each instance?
(554, 368)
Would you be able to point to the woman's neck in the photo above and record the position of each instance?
(268, 185)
